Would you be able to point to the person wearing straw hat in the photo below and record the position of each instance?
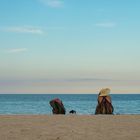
(104, 105)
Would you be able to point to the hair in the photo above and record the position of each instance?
(58, 107)
(104, 105)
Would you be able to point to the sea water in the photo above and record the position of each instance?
(82, 103)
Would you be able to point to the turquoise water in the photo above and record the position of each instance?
(82, 103)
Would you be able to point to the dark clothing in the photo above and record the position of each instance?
(72, 112)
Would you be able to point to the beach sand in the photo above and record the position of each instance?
(69, 127)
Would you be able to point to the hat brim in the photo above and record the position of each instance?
(104, 92)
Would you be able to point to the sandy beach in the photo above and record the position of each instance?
(69, 127)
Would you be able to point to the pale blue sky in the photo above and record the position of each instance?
(60, 40)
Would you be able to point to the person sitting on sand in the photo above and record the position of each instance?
(104, 105)
(58, 107)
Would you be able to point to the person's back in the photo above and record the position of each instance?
(58, 107)
(104, 105)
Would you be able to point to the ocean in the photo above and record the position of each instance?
(82, 103)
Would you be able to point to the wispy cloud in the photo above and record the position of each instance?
(53, 3)
(106, 24)
(24, 29)
(16, 50)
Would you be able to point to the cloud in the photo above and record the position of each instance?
(16, 50)
(106, 24)
(24, 29)
(53, 3)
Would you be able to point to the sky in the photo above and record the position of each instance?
(69, 46)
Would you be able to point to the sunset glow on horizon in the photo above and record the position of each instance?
(69, 46)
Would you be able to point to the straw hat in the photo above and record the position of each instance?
(104, 92)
